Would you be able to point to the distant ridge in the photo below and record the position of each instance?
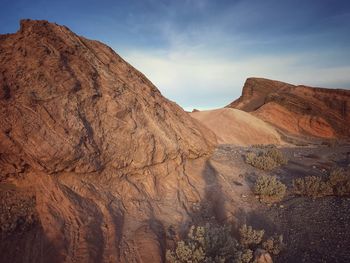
(298, 110)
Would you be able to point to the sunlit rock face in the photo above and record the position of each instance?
(92, 149)
(72, 104)
(298, 110)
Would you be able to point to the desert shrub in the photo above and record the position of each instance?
(214, 244)
(274, 244)
(261, 162)
(269, 188)
(337, 176)
(339, 180)
(342, 189)
(207, 243)
(249, 236)
(311, 186)
(186, 252)
(277, 156)
(267, 158)
(244, 256)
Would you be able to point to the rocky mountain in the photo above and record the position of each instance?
(297, 110)
(92, 156)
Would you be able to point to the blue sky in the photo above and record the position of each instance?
(199, 52)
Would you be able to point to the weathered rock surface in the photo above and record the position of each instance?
(102, 151)
(237, 127)
(299, 110)
(71, 104)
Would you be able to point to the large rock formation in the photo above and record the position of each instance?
(297, 110)
(71, 104)
(96, 145)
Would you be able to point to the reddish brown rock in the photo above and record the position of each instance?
(102, 151)
(72, 104)
(298, 110)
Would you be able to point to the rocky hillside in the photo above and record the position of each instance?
(86, 139)
(297, 110)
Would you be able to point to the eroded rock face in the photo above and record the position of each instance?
(299, 110)
(72, 104)
(101, 150)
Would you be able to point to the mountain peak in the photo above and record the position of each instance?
(83, 97)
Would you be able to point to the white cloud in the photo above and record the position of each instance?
(198, 79)
(205, 67)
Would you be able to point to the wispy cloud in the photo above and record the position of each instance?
(199, 52)
(205, 65)
(199, 79)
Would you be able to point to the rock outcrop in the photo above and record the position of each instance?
(71, 104)
(232, 126)
(102, 151)
(298, 110)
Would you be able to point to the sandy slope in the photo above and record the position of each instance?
(233, 126)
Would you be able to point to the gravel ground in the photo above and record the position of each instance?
(314, 230)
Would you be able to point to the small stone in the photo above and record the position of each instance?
(281, 206)
(262, 256)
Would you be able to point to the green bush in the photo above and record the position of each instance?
(269, 188)
(268, 158)
(311, 186)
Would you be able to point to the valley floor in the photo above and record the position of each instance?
(314, 230)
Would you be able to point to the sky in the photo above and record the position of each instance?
(200, 52)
